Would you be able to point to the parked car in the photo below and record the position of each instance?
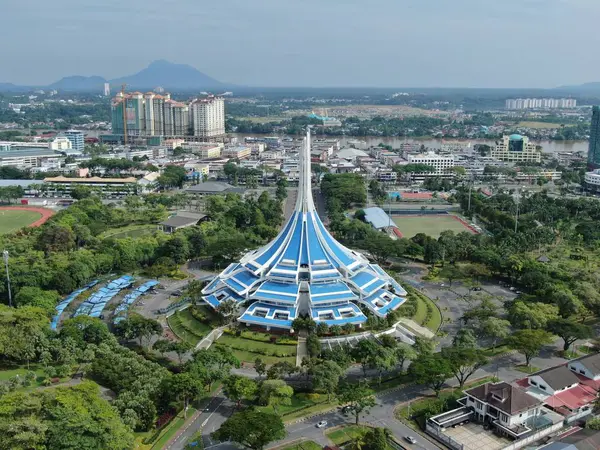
(322, 424)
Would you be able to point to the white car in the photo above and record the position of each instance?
(410, 439)
(322, 424)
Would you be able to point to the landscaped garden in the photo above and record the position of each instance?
(249, 345)
(193, 324)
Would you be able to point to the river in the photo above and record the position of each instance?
(396, 142)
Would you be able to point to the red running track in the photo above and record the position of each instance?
(46, 213)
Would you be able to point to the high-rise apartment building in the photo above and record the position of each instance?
(77, 139)
(540, 103)
(153, 114)
(106, 89)
(594, 144)
(208, 116)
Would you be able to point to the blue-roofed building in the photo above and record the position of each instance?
(305, 272)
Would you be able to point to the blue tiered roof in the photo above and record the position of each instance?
(304, 257)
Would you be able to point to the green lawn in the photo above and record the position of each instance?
(527, 369)
(346, 434)
(301, 402)
(247, 350)
(187, 328)
(423, 302)
(13, 220)
(304, 445)
(430, 225)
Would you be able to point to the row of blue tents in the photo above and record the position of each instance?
(95, 304)
(60, 308)
(121, 310)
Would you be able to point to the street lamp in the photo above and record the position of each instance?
(5, 255)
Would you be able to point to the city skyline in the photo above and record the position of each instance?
(315, 44)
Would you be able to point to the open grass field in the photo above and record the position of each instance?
(247, 350)
(14, 219)
(539, 125)
(430, 225)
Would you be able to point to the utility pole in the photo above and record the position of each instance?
(5, 255)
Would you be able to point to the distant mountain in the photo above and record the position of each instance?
(169, 76)
(159, 73)
(9, 87)
(79, 83)
(592, 88)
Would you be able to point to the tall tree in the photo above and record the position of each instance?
(251, 428)
(276, 393)
(357, 398)
(326, 377)
(185, 387)
(569, 331)
(463, 362)
(237, 388)
(431, 370)
(529, 342)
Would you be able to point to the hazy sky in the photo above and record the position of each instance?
(389, 43)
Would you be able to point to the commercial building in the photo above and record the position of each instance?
(77, 139)
(304, 270)
(594, 144)
(516, 148)
(28, 158)
(592, 181)
(208, 116)
(107, 187)
(204, 150)
(60, 143)
(239, 152)
(441, 163)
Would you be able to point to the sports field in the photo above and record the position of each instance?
(430, 225)
(13, 219)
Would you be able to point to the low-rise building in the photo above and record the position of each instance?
(513, 414)
(106, 187)
(204, 150)
(27, 158)
(200, 192)
(239, 152)
(182, 219)
(516, 148)
(442, 164)
(60, 143)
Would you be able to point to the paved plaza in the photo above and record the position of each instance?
(474, 437)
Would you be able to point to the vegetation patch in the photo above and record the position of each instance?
(187, 328)
(346, 434)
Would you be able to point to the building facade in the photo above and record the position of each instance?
(594, 144)
(77, 139)
(304, 271)
(441, 163)
(516, 148)
(60, 143)
(208, 116)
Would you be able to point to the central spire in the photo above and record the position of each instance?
(304, 202)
